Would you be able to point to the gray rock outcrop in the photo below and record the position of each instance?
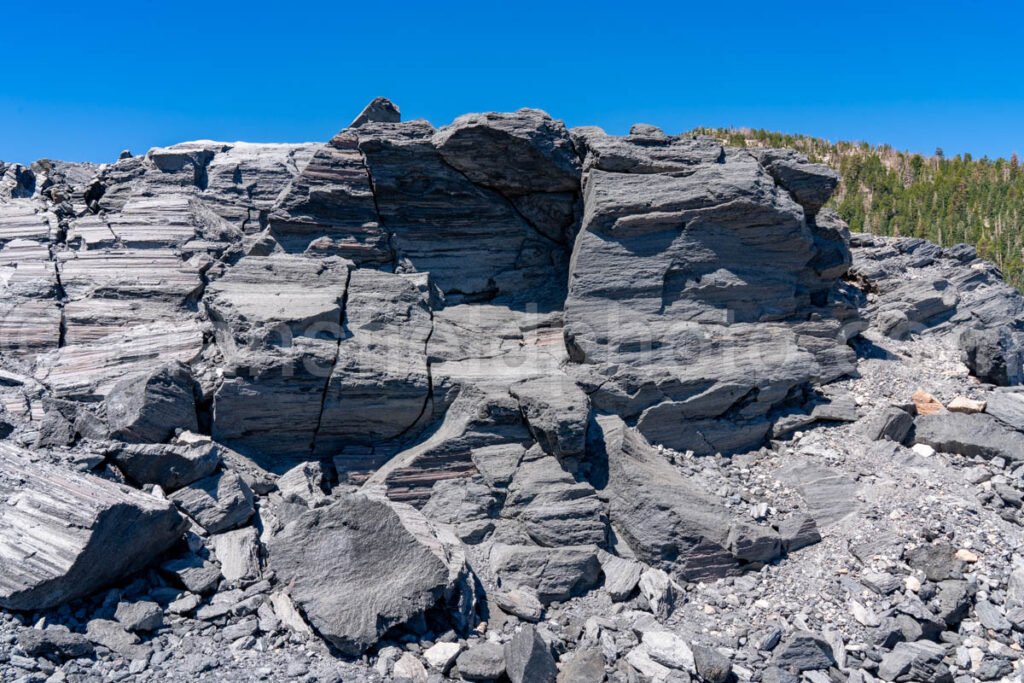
(487, 400)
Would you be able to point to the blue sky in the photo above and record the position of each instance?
(84, 80)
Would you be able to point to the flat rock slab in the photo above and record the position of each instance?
(658, 512)
(830, 496)
(970, 435)
(218, 503)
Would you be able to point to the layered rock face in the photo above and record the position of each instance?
(390, 387)
(697, 293)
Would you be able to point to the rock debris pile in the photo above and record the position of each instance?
(497, 401)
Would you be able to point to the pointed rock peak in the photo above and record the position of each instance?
(380, 110)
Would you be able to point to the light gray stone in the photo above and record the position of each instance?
(64, 535)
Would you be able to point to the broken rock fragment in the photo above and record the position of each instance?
(150, 408)
(64, 535)
(361, 566)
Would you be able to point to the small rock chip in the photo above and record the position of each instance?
(965, 555)
(962, 404)
(925, 403)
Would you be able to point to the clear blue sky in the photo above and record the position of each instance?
(84, 80)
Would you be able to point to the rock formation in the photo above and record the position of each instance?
(497, 399)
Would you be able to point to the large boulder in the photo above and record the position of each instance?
(65, 535)
(361, 566)
(667, 520)
(809, 184)
(150, 408)
(994, 354)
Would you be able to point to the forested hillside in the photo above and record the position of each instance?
(944, 199)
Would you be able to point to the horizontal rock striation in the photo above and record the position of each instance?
(64, 535)
(436, 384)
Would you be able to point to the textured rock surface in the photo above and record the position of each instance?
(358, 568)
(64, 535)
(661, 312)
(666, 520)
(497, 398)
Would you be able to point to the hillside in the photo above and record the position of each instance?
(943, 199)
(497, 401)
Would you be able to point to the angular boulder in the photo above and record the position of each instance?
(667, 520)
(690, 302)
(65, 535)
(148, 409)
(170, 466)
(362, 566)
(556, 410)
(553, 507)
(970, 435)
(554, 573)
(994, 354)
(218, 503)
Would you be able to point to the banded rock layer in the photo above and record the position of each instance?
(475, 349)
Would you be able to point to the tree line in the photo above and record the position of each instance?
(943, 199)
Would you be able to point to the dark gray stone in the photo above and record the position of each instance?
(798, 531)
(921, 661)
(711, 665)
(554, 573)
(674, 314)
(528, 658)
(140, 617)
(379, 110)
(970, 435)
(171, 466)
(754, 543)
(666, 519)
(481, 662)
(70, 534)
(993, 355)
(150, 408)
(888, 422)
(361, 566)
(556, 410)
(218, 503)
(804, 651)
(56, 644)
